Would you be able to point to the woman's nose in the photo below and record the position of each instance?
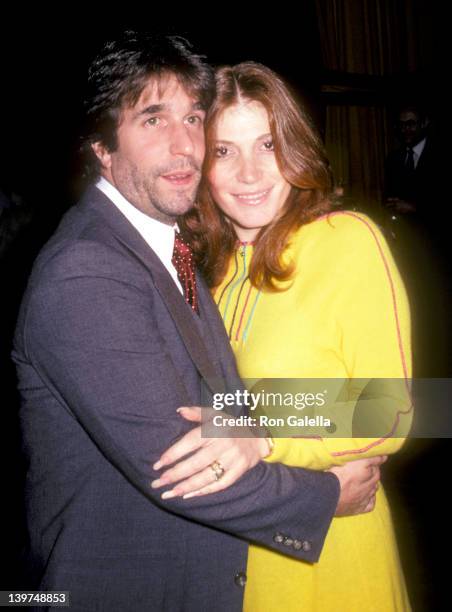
(249, 171)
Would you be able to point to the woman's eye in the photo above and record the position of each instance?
(268, 145)
(221, 151)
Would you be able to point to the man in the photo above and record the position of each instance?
(416, 198)
(107, 349)
(412, 167)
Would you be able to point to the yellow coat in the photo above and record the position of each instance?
(344, 315)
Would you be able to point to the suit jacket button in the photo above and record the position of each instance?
(297, 544)
(288, 541)
(278, 538)
(306, 546)
(240, 579)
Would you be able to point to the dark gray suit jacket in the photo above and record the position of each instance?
(106, 351)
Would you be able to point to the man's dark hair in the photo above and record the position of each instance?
(121, 71)
(415, 108)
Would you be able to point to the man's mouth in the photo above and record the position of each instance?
(253, 199)
(179, 179)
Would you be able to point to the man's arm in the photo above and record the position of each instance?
(90, 333)
(187, 467)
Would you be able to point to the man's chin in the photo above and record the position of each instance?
(176, 206)
(183, 205)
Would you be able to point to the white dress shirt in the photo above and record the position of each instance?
(158, 235)
(417, 151)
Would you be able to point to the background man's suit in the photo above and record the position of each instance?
(419, 186)
(423, 252)
(106, 350)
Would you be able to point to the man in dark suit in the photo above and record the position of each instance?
(416, 201)
(107, 349)
(412, 175)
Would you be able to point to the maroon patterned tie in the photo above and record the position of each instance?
(182, 260)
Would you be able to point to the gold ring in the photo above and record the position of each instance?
(217, 469)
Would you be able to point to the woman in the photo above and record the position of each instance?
(304, 293)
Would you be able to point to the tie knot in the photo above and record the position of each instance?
(181, 248)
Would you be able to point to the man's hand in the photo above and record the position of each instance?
(195, 475)
(359, 483)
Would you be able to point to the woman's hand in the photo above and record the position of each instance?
(215, 463)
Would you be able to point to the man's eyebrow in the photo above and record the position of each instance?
(152, 109)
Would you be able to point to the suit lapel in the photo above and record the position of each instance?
(130, 238)
(424, 157)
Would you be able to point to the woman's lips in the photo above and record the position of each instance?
(253, 199)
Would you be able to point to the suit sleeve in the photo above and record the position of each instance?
(90, 332)
(372, 317)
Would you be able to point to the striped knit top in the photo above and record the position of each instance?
(343, 314)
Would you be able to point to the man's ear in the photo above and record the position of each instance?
(102, 154)
(425, 123)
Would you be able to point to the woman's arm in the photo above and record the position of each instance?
(371, 311)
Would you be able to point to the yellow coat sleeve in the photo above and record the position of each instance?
(371, 313)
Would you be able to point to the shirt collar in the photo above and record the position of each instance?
(419, 147)
(159, 236)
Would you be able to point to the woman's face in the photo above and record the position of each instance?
(245, 180)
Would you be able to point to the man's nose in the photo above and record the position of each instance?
(181, 141)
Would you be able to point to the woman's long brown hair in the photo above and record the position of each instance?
(301, 160)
